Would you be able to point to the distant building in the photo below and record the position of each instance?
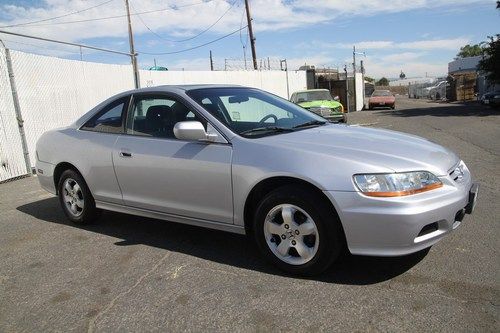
(408, 81)
(463, 80)
(464, 65)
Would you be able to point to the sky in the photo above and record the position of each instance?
(418, 37)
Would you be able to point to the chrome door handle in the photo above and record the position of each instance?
(125, 154)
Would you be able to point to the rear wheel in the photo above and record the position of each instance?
(75, 198)
(297, 231)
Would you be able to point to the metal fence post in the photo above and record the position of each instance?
(17, 108)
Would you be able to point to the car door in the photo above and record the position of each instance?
(98, 137)
(160, 173)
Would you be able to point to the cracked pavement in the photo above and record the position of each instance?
(129, 273)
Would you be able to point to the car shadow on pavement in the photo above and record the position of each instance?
(222, 247)
(445, 111)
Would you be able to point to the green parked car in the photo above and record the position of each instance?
(320, 102)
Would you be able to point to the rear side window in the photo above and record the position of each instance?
(109, 119)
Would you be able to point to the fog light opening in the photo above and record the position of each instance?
(430, 228)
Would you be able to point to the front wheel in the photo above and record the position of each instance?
(296, 230)
(76, 199)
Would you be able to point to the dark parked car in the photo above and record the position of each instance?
(491, 98)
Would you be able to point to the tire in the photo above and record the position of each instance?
(75, 198)
(320, 242)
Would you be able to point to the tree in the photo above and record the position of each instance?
(470, 51)
(383, 82)
(402, 75)
(491, 60)
(369, 79)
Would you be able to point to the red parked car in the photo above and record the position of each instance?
(382, 98)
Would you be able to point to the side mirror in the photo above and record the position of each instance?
(336, 98)
(192, 131)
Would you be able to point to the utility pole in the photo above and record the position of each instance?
(132, 50)
(211, 61)
(250, 33)
(245, 56)
(354, 74)
(346, 88)
(286, 73)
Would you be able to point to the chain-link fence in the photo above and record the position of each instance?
(54, 92)
(264, 64)
(12, 162)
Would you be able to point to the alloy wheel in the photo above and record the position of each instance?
(73, 197)
(291, 234)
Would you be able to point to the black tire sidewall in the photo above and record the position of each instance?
(330, 242)
(90, 212)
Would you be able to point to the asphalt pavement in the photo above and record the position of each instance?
(129, 273)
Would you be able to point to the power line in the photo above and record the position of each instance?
(117, 16)
(195, 47)
(57, 17)
(190, 38)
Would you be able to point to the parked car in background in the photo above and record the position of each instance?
(382, 98)
(245, 161)
(491, 99)
(321, 102)
(438, 91)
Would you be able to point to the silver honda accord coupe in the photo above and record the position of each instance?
(242, 160)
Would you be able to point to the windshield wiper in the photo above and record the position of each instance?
(310, 123)
(267, 129)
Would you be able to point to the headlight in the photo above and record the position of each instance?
(396, 184)
(496, 96)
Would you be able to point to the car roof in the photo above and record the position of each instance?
(308, 90)
(182, 87)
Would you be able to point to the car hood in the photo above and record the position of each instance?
(384, 148)
(319, 103)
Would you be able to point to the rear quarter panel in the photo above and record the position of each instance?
(89, 152)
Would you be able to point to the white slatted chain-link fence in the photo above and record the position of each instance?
(54, 92)
(12, 161)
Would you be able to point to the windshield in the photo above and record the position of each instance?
(308, 96)
(381, 93)
(252, 113)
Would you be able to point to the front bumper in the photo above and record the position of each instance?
(381, 104)
(402, 225)
(336, 118)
